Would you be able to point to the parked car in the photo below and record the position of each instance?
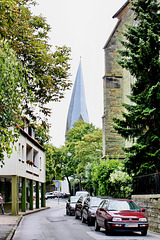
(78, 207)
(82, 193)
(89, 209)
(70, 205)
(120, 215)
(66, 195)
(49, 195)
(56, 193)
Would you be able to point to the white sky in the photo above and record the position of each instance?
(85, 26)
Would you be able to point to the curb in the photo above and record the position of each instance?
(11, 234)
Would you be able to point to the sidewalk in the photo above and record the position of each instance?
(9, 223)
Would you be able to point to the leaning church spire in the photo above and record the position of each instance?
(77, 108)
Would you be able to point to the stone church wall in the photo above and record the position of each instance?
(116, 85)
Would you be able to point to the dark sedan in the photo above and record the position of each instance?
(120, 215)
(70, 205)
(89, 209)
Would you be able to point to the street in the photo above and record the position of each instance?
(54, 224)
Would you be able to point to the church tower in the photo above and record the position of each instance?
(77, 108)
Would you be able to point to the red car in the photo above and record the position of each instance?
(120, 215)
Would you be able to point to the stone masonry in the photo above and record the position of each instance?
(116, 85)
(151, 203)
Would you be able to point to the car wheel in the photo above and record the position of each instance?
(76, 216)
(83, 219)
(106, 229)
(89, 222)
(97, 227)
(144, 233)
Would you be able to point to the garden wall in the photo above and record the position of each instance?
(151, 203)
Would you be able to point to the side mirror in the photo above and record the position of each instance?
(143, 209)
(102, 209)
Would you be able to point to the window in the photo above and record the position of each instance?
(30, 131)
(29, 153)
(19, 151)
(23, 153)
(35, 158)
(101, 204)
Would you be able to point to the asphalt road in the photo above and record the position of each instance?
(54, 224)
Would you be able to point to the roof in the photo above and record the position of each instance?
(113, 32)
(118, 15)
(31, 139)
(77, 108)
(121, 9)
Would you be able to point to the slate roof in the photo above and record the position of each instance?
(77, 108)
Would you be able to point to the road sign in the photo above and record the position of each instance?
(58, 184)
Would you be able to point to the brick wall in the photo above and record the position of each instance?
(151, 203)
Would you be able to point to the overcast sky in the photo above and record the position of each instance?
(84, 26)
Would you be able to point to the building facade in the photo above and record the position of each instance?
(116, 85)
(22, 177)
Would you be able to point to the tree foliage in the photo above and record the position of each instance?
(46, 72)
(12, 86)
(80, 147)
(140, 56)
(53, 163)
(110, 179)
(100, 176)
(80, 162)
(42, 133)
(120, 183)
(38, 76)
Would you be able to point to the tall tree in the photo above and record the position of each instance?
(88, 151)
(140, 122)
(44, 74)
(70, 161)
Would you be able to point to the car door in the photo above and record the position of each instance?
(79, 206)
(85, 207)
(98, 213)
(101, 212)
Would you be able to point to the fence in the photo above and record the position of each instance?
(147, 184)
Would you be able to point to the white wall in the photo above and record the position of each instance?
(16, 164)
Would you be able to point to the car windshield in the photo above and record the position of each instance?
(95, 202)
(73, 199)
(122, 206)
